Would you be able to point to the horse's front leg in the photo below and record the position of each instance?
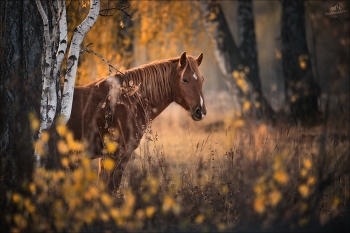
(112, 178)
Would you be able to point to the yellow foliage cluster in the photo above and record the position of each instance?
(305, 187)
(303, 59)
(240, 78)
(164, 27)
(269, 188)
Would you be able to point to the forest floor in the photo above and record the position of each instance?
(236, 173)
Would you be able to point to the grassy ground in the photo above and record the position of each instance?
(234, 173)
(220, 174)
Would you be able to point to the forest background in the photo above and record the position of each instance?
(256, 75)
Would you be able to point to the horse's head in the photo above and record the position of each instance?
(188, 86)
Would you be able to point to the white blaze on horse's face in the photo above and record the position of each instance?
(189, 86)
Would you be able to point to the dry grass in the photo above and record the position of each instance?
(235, 173)
(220, 174)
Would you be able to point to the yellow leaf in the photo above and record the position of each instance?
(104, 216)
(335, 203)
(304, 190)
(303, 172)
(45, 137)
(32, 188)
(64, 162)
(257, 105)
(78, 175)
(140, 214)
(62, 147)
(29, 205)
(106, 200)
(20, 221)
(61, 130)
(224, 189)
(212, 16)
(34, 122)
(294, 98)
(150, 211)
(199, 219)
(246, 106)
(259, 204)
(114, 213)
(281, 177)
(39, 148)
(111, 146)
(311, 180)
(278, 54)
(302, 65)
(307, 163)
(259, 189)
(16, 198)
(275, 197)
(235, 74)
(108, 164)
(168, 203)
(238, 123)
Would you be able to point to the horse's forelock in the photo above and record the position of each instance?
(192, 62)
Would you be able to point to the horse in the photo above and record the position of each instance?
(121, 106)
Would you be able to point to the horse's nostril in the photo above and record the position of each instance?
(199, 112)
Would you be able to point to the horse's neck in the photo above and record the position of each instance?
(156, 110)
(153, 107)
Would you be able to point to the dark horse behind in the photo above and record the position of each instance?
(127, 102)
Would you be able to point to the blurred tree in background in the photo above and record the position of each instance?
(301, 89)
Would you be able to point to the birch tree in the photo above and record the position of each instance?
(56, 39)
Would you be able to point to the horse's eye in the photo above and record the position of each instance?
(185, 80)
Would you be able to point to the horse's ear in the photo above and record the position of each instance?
(183, 59)
(199, 59)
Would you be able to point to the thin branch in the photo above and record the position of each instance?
(121, 7)
(85, 49)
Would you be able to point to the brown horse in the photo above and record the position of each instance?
(127, 102)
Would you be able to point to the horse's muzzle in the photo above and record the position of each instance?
(198, 113)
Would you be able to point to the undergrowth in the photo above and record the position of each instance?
(242, 177)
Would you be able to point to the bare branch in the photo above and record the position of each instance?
(121, 7)
(100, 56)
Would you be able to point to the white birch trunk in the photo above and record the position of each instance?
(47, 97)
(61, 51)
(51, 68)
(73, 57)
(63, 40)
(48, 94)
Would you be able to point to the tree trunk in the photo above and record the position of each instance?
(232, 64)
(248, 50)
(20, 84)
(225, 50)
(301, 89)
(73, 58)
(54, 20)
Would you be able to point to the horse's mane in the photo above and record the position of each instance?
(156, 77)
